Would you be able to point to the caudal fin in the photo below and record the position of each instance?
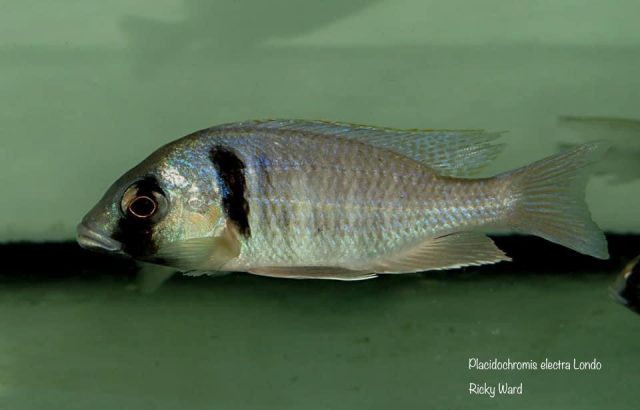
(550, 200)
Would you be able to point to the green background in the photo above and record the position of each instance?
(91, 88)
(88, 89)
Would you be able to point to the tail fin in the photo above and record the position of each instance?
(550, 200)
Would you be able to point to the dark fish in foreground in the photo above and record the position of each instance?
(626, 289)
(312, 199)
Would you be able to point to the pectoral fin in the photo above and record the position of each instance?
(445, 252)
(202, 254)
(312, 272)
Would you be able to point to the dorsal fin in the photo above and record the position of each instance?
(449, 152)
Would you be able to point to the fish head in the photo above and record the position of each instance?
(626, 288)
(169, 198)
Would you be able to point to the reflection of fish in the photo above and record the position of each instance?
(336, 201)
(626, 289)
(228, 29)
(622, 161)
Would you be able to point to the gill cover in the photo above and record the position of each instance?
(213, 252)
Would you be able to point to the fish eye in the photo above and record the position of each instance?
(143, 204)
(143, 207)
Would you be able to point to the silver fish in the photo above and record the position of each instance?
(313, 199)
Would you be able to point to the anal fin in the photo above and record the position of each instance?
(445, 252)
(312, 272)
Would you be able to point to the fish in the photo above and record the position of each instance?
(620, 164)
(324, 200)
(626, 288)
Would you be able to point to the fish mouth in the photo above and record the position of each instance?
(95, 240)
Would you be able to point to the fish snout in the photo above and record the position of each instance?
(94, 240)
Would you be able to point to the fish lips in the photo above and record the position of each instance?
(94, 240)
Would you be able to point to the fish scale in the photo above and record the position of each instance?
(290, 217)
